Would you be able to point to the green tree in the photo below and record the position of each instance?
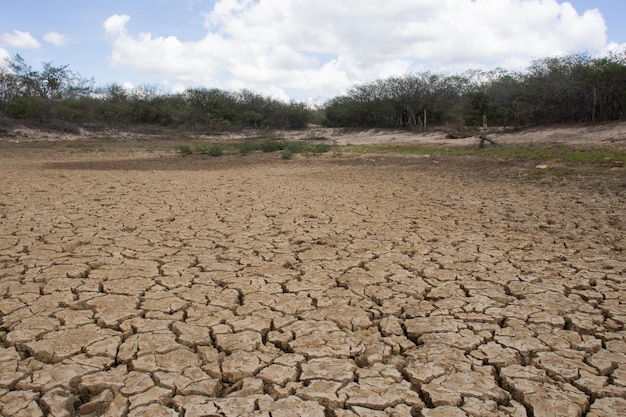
(52, 82)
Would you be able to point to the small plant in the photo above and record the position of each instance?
(272, 146)
(185, 150)
(216, 150)
(296, 147)
(321, 148)
(247, 146)
(287, 154)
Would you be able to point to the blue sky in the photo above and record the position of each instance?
(299, 49)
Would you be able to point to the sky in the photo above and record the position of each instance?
(300, 50)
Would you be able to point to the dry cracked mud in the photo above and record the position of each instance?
(137, 284)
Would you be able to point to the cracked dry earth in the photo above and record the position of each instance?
(153, 285)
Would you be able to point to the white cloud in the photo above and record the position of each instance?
(128, 86)
(114, 25)
(55, 38)
(321, 48)
(19, 39)
(613, 48)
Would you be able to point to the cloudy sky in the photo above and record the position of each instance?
(299, 49)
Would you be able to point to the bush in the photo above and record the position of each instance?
(78, 110)
(247, 146)
(31, 108)
(321, 148)
(216, 150)
(185, 150)
(297, 147)
(272, 146)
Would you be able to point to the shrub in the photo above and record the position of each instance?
(32, 108)
(321, 148)
(272, 146)
(297, 147)
(247, 146)
(216, 150)
(77, 110)
(185, 150)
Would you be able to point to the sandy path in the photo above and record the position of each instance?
(149, 285)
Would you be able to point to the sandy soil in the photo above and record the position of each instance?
(607, 135)
(139, 283)
(610, 134)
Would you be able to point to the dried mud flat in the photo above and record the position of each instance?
(146, 284)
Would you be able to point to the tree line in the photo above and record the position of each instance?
(564, 89)
(567, 89)
(56, 93)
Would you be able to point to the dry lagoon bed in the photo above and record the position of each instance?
(137, 283)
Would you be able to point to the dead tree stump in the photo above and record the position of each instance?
(483, 135)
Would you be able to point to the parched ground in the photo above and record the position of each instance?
(147, 284)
